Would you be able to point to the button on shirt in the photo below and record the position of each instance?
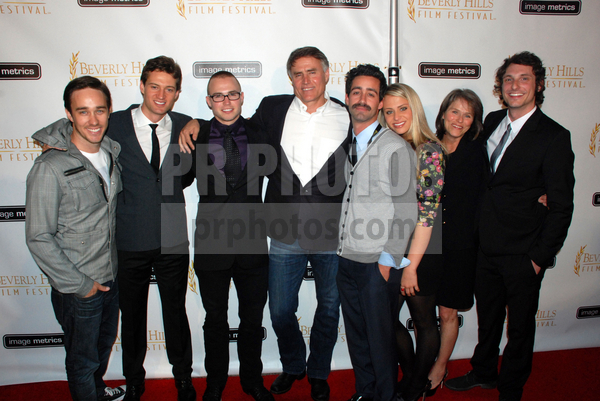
(308, 139)
(515, 127)
(143, 133)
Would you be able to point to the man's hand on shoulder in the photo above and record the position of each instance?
(188, 135)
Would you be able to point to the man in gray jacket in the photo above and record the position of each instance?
(379, 213)
(70, 229)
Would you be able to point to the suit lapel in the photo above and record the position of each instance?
(522, 142)
(131, 141)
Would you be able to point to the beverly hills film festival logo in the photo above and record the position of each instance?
(594, 146)
(586, 262)
(116, 74)
(188, 8)
(479, 10)
(24, 7)
(23, 149)
(306, 330)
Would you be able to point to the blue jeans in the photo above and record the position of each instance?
(287, 264)
(90, 327)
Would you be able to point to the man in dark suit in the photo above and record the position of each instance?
(227, 163)
(151, 226)
(529, 154)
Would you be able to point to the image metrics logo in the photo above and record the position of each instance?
(234, 334)
(473, 10)
(24, 341)
(189, 8)
(12, 213)
(450, 70)
(113, 3)
(241, 69)
(20, 71)
(536, 7)
(335, 3)
(588, 312)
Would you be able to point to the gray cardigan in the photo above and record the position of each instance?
(70, 223)
(379, 209)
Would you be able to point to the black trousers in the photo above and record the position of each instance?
(370, 306)
(251, 287)
(171, 271)
(506, 283)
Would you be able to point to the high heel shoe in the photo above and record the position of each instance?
(422, 393)
(431, 391)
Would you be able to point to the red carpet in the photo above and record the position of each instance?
(557, 375)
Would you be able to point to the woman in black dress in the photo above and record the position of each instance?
(458, 125)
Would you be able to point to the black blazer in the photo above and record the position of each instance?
(314, 209)
(539, 161)
(230, 223)
(151, 207)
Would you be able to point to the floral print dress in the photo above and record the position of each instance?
(430, 181)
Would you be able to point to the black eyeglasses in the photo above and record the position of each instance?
(219, 97)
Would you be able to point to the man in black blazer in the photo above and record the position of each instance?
(151, 226)
(230, 236)
(528, 155)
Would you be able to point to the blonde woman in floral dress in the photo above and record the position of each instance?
(403, 113)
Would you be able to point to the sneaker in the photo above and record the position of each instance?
(469, 381)
(111, 394)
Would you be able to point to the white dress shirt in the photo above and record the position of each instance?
(308, 139)
(515, 127)
(141, 124)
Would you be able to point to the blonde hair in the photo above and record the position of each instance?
(419, 130)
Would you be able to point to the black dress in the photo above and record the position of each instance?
(464, 174)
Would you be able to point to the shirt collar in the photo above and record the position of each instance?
(516, 125)
(235, 127)
(140, 120)
(298, 106)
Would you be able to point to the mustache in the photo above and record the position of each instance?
(366, 106)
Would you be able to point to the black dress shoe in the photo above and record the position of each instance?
(212, 394)
(319, 389)
(468, 382)
(133, 392)
(284, 382)
(260, 393)
(185, 389)
(357, 397)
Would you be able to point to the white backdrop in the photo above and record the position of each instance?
(47, 43)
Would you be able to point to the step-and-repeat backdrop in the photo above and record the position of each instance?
(443, 44)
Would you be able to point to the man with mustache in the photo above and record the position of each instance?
(377, 219)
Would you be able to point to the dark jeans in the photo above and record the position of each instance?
(251, 288)
(171, 273)
(287, 264)
(90, 327)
